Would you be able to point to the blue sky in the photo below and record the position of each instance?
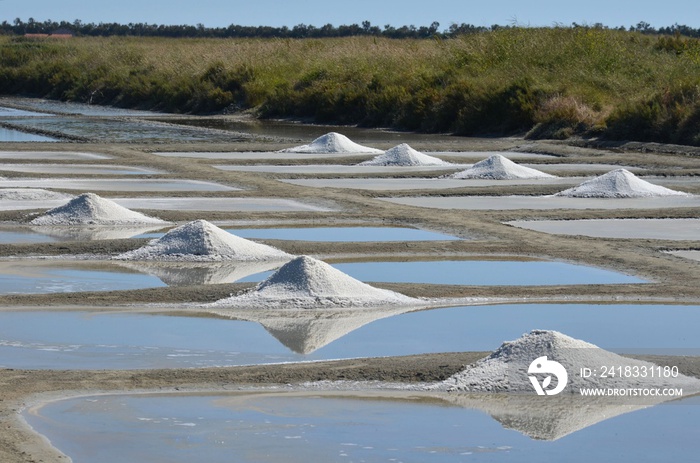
(213, 13)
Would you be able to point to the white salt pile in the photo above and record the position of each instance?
(498, 167)
(88, 208)
(506, 369)
(404, 155)
(306, 282)
(619, 183)
(203, 241)
(31, 194)
(332, 143)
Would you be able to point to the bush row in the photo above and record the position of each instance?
(551, 82)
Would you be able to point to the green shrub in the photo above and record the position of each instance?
(671, 116)
(549, 82)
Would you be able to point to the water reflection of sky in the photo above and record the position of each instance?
(42, 277)
(12, 112)
(11, 135)
(477, 272)
(76, 108)
(58, 279)
(116, 131)
(81, 340)
(273, 428)
(335, 234)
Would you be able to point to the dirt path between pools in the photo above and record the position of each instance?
(673, 279)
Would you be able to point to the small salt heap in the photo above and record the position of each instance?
(90, 209)
(619, 183)
(306, 282)
(507, 369)
(203, 241)
(332, 143)
(404, 155)
(498, 167)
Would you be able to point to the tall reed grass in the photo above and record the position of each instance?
(548, 82)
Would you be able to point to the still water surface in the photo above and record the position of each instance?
(343, 428)
(43, 277)
(92, 340)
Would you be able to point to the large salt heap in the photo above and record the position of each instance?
(307, 282)
(498, 167)
(404, 155)
(619, 183)
(509, 367)
(90, 209)
(332, 143)
(203, 241)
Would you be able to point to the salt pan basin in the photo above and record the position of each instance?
(123, 130)
(90, 169)
(188, 204)
(467, 272)
(43, 234)
(89, 340)
(11, 112)
(59, 276)
(501, 203)
(223, 204)
(353, 169)
(692, 255)
(340, 169)
(52, 155)
(44, 277)
(477, 272)
(656, 229)
(342, 426)
(37, 104)
(467, 156)
(335, 234)
(116, 184)
(11, 135)
(388, 184)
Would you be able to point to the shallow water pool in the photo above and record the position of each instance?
(200, 204)
(11, 135)
(335, 234)
(389, 184)
(21, 236)
(12, 112)
(52, 155)
(48, 234)
(93, 340)
(77, 108)
(116, 184)
(477, 272)
(659, 229)
(119, 131)
(459, 156)
(500, 203)
(340, 427)
(72, 169)
(54, 276)
(39, 277)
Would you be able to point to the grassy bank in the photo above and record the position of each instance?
(553, 82)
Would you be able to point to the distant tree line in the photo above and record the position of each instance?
(78, 28)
